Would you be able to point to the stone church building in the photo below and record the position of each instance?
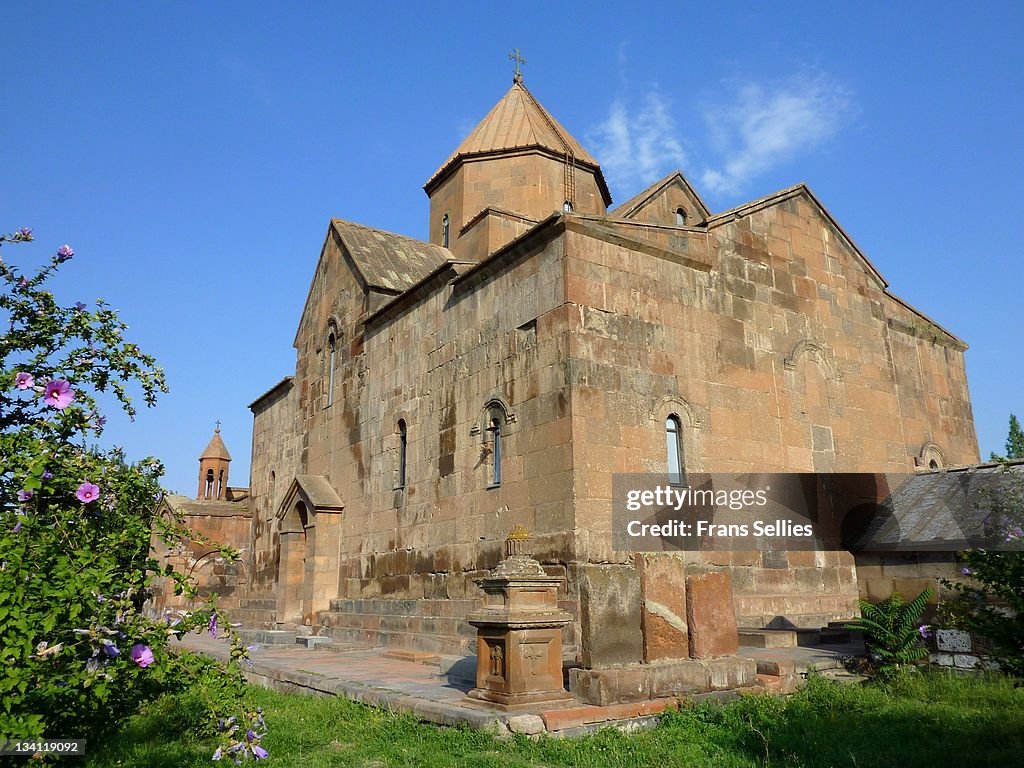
(542, 341)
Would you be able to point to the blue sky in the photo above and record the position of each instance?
(192, 155)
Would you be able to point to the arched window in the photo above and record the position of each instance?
(933, 464)
(209, 484)
(403, 446)
(332, 347)
(680, 217)
(674, 450)
(567, 206)
(494, 431)
(444, 231)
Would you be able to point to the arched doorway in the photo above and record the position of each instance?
(296, 532)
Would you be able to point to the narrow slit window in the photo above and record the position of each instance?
(444, 231)
(495, 430)
(567, 206)
(332, 346)
(674, 450)
(403, 446)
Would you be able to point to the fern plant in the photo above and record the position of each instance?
(892, 631)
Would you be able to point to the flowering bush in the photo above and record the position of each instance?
(77, 654)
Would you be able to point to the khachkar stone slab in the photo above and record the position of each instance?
(519, 632)
(610, 633)
(680, 678)
(663, 607)
(710, 616)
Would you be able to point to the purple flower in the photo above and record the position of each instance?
(47, 474)
(17, 527)
(87, 492)
(23, 283)
(965, 571)
(25, 495)
(25, 233)
(212, 626)
(24, 381)
(142, 655)
(64, 252)
(259, 752)
(59, 394)
(924, 631)
(80, 306)
(218, 754)
(250, 735)
(110, 649)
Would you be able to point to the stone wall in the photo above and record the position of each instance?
(213, 523)
(773, 342)
(782, 352)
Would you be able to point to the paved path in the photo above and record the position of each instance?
(370, 677)
(367, 676)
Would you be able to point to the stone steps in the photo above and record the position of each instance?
(440, 608)
(792, 637)
(268, 636)
(433, 644)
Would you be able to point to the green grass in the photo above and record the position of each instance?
(920, 720)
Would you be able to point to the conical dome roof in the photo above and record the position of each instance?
(216, 448)
(516, 122)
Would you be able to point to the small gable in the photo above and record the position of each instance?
(671, 201)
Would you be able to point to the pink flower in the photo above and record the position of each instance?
(87, 492)
(64, 252)
(142, 655)
(24, 381)
(58, 394)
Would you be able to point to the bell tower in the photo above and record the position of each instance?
(213, 470)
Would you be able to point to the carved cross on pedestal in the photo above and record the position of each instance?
(497, 661)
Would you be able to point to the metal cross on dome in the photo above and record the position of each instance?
(517, 57)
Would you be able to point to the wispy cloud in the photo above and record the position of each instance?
(638, 143)
(760, 127)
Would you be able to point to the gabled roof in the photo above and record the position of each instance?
(639, 200)
(798, 190)
(216, 449)
(386, 260)
(518, 121)
(803, 190)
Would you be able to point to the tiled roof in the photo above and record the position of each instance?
(216, 448)
(518, 121)
(942, 510)
(386, 260)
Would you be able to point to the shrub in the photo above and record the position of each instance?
(892, 630)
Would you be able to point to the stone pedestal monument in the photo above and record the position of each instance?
(519, 631)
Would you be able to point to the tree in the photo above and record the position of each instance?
(77, 654)
(1014, 442)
